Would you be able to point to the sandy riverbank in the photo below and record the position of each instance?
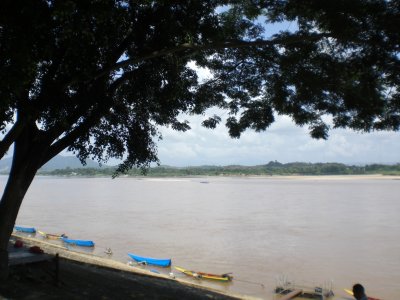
(329, 177)
(85, 276)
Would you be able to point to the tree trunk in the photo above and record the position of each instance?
(27, 158)
(13, 195)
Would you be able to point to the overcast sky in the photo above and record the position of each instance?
(283, 142)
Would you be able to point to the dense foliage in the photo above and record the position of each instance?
(99, 77)
(272, 168)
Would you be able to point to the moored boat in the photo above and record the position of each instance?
(51, 236)
(83, 243)
(220, 277)
(25, 229)
(161, 262)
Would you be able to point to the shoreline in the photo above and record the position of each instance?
(114, 271)
(238, 176)
(330, 177)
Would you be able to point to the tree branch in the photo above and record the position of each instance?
(23, 115)
(69, 138)
(221, 45)
(119, 81)
(10, 137)
(121, 48)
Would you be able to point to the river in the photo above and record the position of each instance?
(311, 230)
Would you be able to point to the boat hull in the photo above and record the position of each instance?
(160, 262)
(82, 243)
(52, 236)
(25, 229)
(200, 275)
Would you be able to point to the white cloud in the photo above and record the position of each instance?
(283, 141)
(202, 73)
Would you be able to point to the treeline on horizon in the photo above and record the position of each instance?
(272, 168)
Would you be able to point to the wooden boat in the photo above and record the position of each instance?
(350, 292)
(25, 229)
(82, 243)
(222, 277)
(52, 236)
(161, 262)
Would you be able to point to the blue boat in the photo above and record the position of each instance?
(25, 229)
(161, 262)
(78, 242)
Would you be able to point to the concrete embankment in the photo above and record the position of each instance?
(107, 277)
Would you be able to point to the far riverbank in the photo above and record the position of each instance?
(333, 177)
(270, 169)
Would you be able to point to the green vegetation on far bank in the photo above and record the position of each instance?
(272, 168)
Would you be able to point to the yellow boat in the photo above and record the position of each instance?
(51, 236)
(200, 275)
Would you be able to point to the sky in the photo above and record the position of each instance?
(282, 141)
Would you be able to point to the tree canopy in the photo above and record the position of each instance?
(98, 77)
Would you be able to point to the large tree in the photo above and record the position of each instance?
(98, 77)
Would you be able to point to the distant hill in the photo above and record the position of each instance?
(71, 166)
(58, 162)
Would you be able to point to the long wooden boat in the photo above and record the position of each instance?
(83, 243)
(51, 236)
(25, 229)
(161, 262)
(350, 292)
(221, 277)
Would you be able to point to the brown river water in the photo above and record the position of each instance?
(311, 230)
